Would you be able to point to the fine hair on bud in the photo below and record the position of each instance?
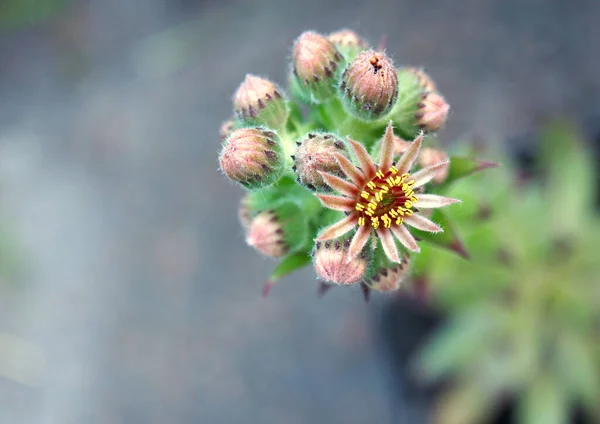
(252, 157)
(369, 85)
(334, 265)
(259, 101)
(265, 234)
(389, 278)
(316, 153)
(316, 64)
(424, 81)
(348, 43)
(432, 112)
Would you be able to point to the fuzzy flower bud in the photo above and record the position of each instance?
(423, 80)
(369, 85)
(265, 234)
(245, 212)
(277, 231)
(226, 128)
(429, 157)
(333, 264)
(259, 101)
(316, 154)
(252, 157)
(389, 278)
(316, 63)
(432, 112)
(348, 43)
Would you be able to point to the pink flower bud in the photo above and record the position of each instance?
(259, 101)
(316, 63)
(226, 128)
(369, 85)
(266, 235)
(348, 43)
(390, 278)
(430, 157)
(424, 81)
(316, 154)
(333, 264)
(432, 112)
(252, 157)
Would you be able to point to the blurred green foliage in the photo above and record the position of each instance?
(524, 313)
(16, 14)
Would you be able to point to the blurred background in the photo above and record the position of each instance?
(127, 294)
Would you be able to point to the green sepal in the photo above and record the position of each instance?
(290, 264)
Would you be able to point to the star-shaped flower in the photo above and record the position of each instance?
(381, 200)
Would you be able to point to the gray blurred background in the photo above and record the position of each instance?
(128, 295)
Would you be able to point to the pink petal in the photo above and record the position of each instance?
(387, 148)
(339, 185)
(405, 237)
(358, 241)
(431, 201)
(409, 156)
(388, 244)
(338, 229)
(422, 223)
(426, 174)
(364, 159)
(349, 169)
(337, 203)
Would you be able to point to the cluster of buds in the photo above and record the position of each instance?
(337, 168)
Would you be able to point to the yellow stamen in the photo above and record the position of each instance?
(365, 195)
(371, 185)
(393, 170)
(387, 222)
(361, 220)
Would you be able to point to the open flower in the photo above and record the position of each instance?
(381, 200)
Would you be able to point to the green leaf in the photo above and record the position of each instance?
(449, 239)
(569, 176)
(287, 265)
(461, 167)
(544, 403)
(463, 339)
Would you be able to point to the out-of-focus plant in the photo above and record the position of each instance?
(330, 175)
(524, 314)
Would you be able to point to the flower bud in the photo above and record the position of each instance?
(265, 234)
(316, 63)
(423, 80)
(348, 43)
(259, 101)
(369, 85)
(226, 128)
(315, 154)
(333, 264)
(252, 157)
(277, 231)
(389, 278)
(432, 112)
(430, 157)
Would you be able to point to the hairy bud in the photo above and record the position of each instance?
(226, 128)
(259, 101)
(315, 154)
(252, 157)
(430, 157)
(265, 234)
(432, 112)
(369, 85)
(348, 43)
(245, 212)
(333, 264)
(423, 80)
(389, 278)
(316, 64)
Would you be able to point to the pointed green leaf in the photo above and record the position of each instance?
(287, 265)
(544, 403)
(461, 167)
